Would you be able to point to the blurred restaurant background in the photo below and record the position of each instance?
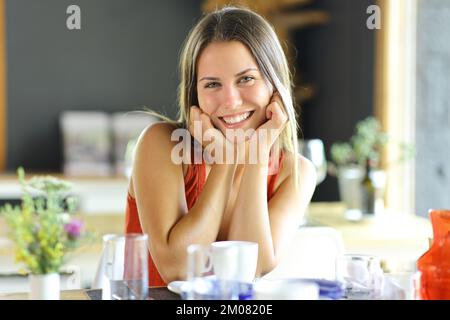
(71, 102)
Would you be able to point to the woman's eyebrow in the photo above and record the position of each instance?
(244, 71)
(208, 78)
(236, 75)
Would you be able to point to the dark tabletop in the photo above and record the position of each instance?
(156, 293)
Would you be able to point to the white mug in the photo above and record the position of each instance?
(202, 283)
(235, 260)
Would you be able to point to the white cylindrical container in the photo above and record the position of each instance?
(44, 286)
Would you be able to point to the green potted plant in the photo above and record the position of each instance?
(44, 231)
(357, 165)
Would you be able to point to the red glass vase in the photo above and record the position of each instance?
(434, 265)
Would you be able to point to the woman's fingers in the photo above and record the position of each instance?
(206, 122)
(277, 120)
(279, 116)
(199, 124)
(191, 117)
(194, 117)
(275, 112)
(196, 114)
(203, 130)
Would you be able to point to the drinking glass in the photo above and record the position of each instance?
(399, 286)
(126, 264)
(361, 274)
(398, 278)
(314, 150)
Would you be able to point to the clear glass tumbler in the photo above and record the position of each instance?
(126, 264)
(362, 276)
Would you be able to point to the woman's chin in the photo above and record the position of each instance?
(235, 131)
(237, 142)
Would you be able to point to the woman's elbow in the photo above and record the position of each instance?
(169, 267)
(169, 277)
(169, 274)
(266, 267)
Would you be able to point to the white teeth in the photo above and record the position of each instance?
(236, 119)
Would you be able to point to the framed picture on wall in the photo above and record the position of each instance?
(86, 143)
(126, 128)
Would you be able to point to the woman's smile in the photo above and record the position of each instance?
(237, 120)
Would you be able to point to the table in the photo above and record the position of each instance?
(155, 293)
(395, 238)
(391, 236)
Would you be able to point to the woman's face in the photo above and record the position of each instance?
(230, 87)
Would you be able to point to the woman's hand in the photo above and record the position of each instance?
(268, 132)
(211, 139)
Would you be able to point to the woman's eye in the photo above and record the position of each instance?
(246, 79)
(212, 85)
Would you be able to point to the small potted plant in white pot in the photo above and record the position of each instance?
(356, 164)
(44, 231)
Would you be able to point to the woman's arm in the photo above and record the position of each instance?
(272, 225)
(160, 196)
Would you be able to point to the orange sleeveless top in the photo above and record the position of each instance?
(193, 184)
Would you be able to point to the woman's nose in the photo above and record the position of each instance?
(231, 97)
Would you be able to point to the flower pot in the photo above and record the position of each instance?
(349, 180)
(44, 286)
(360, 198)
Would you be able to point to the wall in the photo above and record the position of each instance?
(124, 56)
(433, 106)
(338, 58)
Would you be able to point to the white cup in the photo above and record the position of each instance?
(202, 283)
(235, 260)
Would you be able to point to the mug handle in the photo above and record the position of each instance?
(209, 265)
(193, 265)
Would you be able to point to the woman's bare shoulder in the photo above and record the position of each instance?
(154, 147)
(153, 150)
(156, 134)
(304, 166)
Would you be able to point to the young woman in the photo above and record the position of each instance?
(234, 79)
